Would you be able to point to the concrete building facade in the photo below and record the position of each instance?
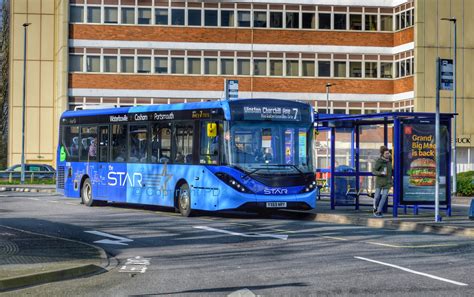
(376, 54)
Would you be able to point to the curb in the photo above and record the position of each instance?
(434, 228)
(27, 189)
(47, 277)
(9, 284)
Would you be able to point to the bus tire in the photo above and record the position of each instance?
(86, 193)
(184, 200)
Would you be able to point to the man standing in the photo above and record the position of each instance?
(383, 179)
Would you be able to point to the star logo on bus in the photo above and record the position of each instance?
(165, 177)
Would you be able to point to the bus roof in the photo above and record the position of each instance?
(225, 105)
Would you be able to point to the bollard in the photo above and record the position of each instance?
(32, 176)
(10, 178)
(471, 210)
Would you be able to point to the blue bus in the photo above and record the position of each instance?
(249, 154)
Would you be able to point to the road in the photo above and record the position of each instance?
(218, 254)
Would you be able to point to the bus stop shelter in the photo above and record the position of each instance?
(347, 147)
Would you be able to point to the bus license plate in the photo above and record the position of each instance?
(276, 204)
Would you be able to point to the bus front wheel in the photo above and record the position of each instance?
(86, 193)
(184, 200)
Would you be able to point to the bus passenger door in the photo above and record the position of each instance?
(103, 160)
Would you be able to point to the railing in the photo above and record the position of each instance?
(11, 176)
(465, 167)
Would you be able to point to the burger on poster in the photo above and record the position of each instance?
(422, 172)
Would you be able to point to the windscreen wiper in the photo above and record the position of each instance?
(286, 165)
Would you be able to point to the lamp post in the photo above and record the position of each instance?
(328, 86)
(22, 177)
(453, 21)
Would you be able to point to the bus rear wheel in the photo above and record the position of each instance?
(184, 200)
(86, 193)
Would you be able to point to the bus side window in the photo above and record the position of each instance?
(119, 143)
(88, 144)
(161, 143)
(70, 142)
(138, 143)
(184, 143)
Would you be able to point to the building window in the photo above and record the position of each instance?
(128, 15)
(370, 22)
(276, 19)
(260, 67)
(144, 16)
(260, 19)
(292, 68)
(355, 69)
(210, 66)
(110, 64)
(324, 68)
(243, 18)
(210, 18)
(93, 63)
(227, 18)
(292, 20)
(93, 14)
(161, 16)
(402, 68)
(243, 67)
(355, 22)
(161, 65)
(386, 69)
(177, 65)
(397, 69)
(177, 17)
(386, 23)
(194, 65)
(308, 20)
(75, 63)
(76, 14)
(340, 68)
(227, 66)
(307, 68)
(194, 17)
(144, 65)
(276, 68)
(371, 69)
(110, 15)
(127, 65)
(340, 21)
(325, 21)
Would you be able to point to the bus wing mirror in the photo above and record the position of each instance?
(211, 129)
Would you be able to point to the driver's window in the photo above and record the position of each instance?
(209, 146)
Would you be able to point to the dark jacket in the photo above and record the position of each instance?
(383, 181)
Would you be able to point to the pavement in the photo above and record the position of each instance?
(28, 259)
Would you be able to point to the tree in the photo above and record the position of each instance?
(4, 71)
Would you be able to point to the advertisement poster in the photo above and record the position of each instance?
(419, 163)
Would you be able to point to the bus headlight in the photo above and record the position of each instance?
(310, 186)
(229, 180)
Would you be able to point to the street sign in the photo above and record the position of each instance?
(231, 89)
(446, 74)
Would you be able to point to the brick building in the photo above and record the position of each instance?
(376, 53)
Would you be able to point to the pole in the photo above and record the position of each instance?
(327, 112)
(455, 111)
(22, 176)
(437, 142)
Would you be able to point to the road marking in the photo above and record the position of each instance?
(277, 236)
(332, 237)
(69, 203)
(36, 199)
(53, 201)
(118, 240)
(413, 271)
(135, 265)
(411, 246)
(242, 293)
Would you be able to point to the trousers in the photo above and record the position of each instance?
(380, 198)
